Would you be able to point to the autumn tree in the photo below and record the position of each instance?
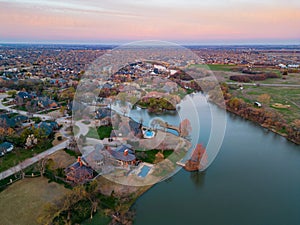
(185, 128)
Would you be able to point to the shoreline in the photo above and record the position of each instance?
(260, 125)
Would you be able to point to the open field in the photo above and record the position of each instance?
(23, 202)
(215, 67)
(282, 95)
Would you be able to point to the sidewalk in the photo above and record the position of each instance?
(30, 161)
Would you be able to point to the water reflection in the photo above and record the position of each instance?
(198, 178)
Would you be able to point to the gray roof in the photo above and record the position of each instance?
(4, 147)
(119, 153)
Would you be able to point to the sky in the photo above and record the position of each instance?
(122, 21)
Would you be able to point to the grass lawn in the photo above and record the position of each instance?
(75, 129)
(20, 154)
(99, 218)
(23, 202)
(22, 108)
(215, 67)
(102, 132)
(72, 153)
(149, 156)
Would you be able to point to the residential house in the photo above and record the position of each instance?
(15, 121)
(6, 147)
(124, 155)
(47, 127)
(79, 172)
(22, 97)
(46, 103)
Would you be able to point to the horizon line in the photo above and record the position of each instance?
(117, 43)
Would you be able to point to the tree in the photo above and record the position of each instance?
(62, 109)
(12, 93)
(185, 128)
(296, 123)
(42, 166)
(91, 190)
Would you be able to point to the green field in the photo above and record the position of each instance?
(215, 67)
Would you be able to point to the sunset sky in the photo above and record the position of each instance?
(118, 21)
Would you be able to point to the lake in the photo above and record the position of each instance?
(255, 179)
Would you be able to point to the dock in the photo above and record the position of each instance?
(180, 164)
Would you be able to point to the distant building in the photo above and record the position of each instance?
(294, 66)
(258, 104)
(45, 102)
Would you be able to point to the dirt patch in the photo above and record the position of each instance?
(61, 159)
(281, 106)
(106, 187)
(55, 141)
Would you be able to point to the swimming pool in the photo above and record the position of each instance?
(144, 171)
(149, 134)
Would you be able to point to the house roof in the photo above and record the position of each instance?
(45, 101)
(119, 153)
(103, 112)
(12, 122)
(122, 157)
(23, 94)
(20, 118)
(48, 127)
(4, 146)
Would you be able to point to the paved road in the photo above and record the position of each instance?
(29, 162)
(266, 85)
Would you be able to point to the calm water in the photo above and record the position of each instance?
(255, 179)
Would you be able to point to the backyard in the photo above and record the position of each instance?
(101, 132)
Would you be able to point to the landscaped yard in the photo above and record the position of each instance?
(149, 156)
(23, 202)
(101, 133)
